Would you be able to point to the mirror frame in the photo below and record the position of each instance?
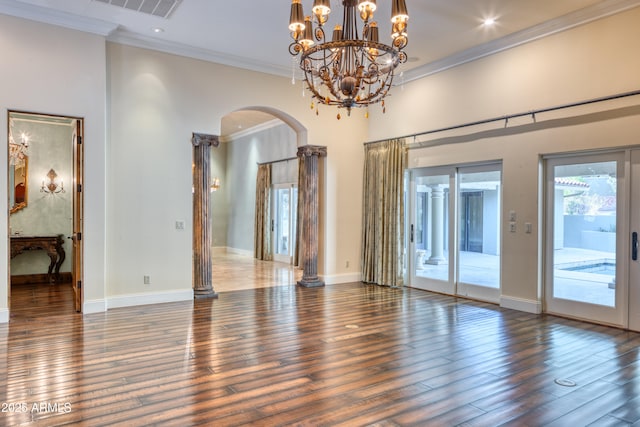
(24, 178)
(15, 207)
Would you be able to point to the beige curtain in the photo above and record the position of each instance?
(262, 227)
(297, 256)
(383, 213)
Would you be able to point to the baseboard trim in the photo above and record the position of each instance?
(521, 304)
(334, 279)
(131, 300)
(94, 306)
(4, 315)
(237, 251)
(29, 279)
(219, 250)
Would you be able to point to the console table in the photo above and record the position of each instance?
(53, 245)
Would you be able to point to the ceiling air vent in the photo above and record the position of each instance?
(162, 8)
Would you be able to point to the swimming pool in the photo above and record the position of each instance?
(608, 268)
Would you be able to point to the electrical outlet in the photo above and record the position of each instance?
(512, 227)
(147, 280)
(179, 225)
(346, 264)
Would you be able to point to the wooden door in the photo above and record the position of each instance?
(78, 218)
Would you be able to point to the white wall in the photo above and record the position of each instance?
(243, 154)
(146, 104)
(53, 70)
(156, 101)
(219, 198)
(593, 60)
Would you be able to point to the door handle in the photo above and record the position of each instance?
(634, 246)
(411, 233)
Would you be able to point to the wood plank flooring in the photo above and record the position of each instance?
(342, 355)
(233, 272)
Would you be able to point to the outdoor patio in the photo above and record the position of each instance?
(579, 285)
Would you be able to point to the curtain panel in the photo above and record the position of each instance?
(382, 257)
(262, 227)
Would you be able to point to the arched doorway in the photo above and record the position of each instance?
(251, 137)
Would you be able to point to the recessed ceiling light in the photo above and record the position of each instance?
(488, 22)
(157, 30)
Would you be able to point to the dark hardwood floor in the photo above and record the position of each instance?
(341, 355)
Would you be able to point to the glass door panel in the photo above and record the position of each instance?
(583, 208)
(284, 222)
(430, 232)
(479, 228)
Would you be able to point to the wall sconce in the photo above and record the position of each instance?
(52, 187)
(215, 184)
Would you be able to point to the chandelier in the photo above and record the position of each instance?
(18, 151)
(349, 70)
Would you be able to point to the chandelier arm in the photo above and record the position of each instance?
(319, 34)
(316, 93)
(295, 48)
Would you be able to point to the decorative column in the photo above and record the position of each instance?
(202, 274)
(310, 155)
(437, 226)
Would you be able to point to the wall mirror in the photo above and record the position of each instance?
(18, 169)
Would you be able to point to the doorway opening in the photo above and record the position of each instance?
(251, 137)
(284, 220)
(585, 254)
(45, 168)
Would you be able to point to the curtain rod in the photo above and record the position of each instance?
(513, 116)
(276, 161)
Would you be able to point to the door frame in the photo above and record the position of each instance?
(617, 315)
(431, 284)
(453, 285)
(471, 290)
(77, 189)
(292, 220)
(633, 316)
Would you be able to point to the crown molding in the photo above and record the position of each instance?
(55, 17)
(145, 42)
(113, 33)
(250, 131)
(566, 22)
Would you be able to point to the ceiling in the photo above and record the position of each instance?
(442, 33)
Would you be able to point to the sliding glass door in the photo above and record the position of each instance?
(454, 230)
(479, 207)
(430, 231)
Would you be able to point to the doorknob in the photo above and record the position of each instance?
(634, 246)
